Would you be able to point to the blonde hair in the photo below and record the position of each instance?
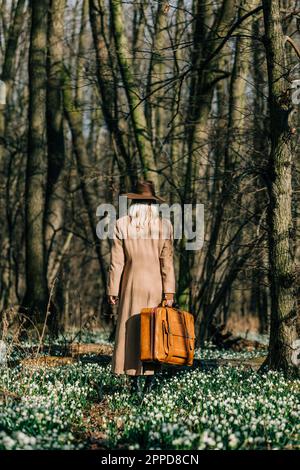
(142, 213)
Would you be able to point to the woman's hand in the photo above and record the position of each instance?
(112, 299)
(169, 299)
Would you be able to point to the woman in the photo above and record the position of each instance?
(141, 274)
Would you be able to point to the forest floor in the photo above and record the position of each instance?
(59, 400)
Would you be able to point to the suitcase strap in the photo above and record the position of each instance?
(170, 337)
(189, 346)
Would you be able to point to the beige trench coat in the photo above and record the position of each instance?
(141, 270)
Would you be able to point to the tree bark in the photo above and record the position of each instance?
(153, 106)
(6, 158)
(55, 133)
(55, 194)
(106, 80)
(141, 132)
(8, 66)
(283, 332)
(36, 296)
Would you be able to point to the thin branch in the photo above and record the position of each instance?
(293, 44)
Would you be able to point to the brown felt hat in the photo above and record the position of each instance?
(144, 190)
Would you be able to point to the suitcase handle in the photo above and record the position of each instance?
(175, 304)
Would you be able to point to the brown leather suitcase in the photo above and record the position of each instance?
(167, 335)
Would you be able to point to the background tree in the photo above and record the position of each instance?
(104, 92)
(36, 295)
(279, 177)
(55, 190)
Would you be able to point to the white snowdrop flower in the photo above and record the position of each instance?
(233, 441)
(8, 442)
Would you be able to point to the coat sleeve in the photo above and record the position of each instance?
(117, 261)
(167, 264)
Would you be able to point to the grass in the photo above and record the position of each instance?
(82, 405)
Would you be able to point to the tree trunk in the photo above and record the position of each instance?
(106, 83)
(141, 132)
(6, 158)
(36, 296)
(283, 332)
(55, 195)
(153, 106)
(13, 37)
